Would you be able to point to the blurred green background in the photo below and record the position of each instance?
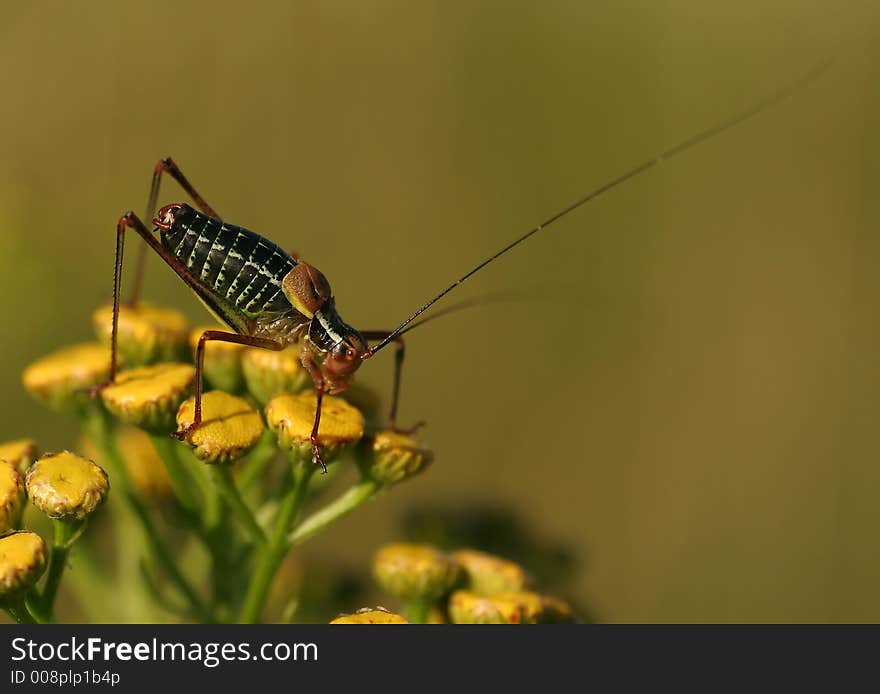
(685, 393)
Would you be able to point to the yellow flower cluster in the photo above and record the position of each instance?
(465, 587)
(64, 486)
(127, 423)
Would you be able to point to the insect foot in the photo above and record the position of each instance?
(317, 459)
(291, 418)
(183, 434)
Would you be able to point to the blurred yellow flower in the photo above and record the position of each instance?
(269, 373)
(20, 454)
(144, 465)
(12, 497)
(147, 334)
(487, 574)
(370, 615)
(515, 607)
(61, 378)
(415, 572)
(395, 457)
(149, 396)
(22, 561)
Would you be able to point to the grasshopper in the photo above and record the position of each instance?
(270, 299)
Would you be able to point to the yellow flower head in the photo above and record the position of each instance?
(269, 373)
(230, 427)
(60, 379)
(370, 615)
(394, 457)
(411, 571)
(149, 396)
(291, 418)
(65, 486)
(487, 574)
(20, 454)
(12, 497)
(147, 334)
(22, 562)
(515, 607)
(222, 368)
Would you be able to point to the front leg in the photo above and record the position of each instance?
(314, 370)
(399, 354)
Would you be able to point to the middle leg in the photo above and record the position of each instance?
(218, 336)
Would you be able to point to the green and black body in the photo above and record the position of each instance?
(241, 272)
(240, 277)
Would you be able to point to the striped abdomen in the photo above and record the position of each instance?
(241, 270)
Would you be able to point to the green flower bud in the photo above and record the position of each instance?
(65, 486)
(61, 379)
(22, 562)
(518, 607)
(415, 572)
(20, 454)
(268, 373)
(370, 615)
(395, 457)
(149, 396)
(222, 367)
(230, 427)
(147, 334)
(487, 574)
(291, 418)
(12, 497)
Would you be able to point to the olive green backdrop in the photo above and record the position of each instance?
(683, 390)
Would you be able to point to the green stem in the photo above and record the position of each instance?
(355, 496)
(63, 534)
(257, 461)
(19, 613)
(223, 479)
(89, 583)
(97, 426)
(272, 553)
(181, 480)
(212, 510)
(416, 611)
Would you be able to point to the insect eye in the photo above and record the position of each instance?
(344, 351)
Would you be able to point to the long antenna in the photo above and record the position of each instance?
(683, 146)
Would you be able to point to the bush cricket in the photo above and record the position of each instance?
(271, 299)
